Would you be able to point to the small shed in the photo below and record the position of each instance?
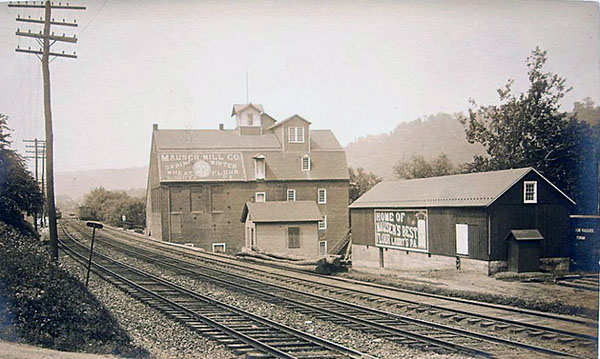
(524, 250)
(290, 227)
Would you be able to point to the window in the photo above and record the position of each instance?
(177, 199)
(293, 237)
(296, 134)
(300, 134)
(200, 198)
(219, 247)
(175, 223)
(323, 223)
(260, 196)
(306, 163)
(530, 192)
(291, 194)
(322, 248)
(322, 196)
(462, 239)
(217, 198)
(259, 168)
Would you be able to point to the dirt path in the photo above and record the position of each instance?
(535, 287)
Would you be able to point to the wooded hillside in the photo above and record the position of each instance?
(428, 136)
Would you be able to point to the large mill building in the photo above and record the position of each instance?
(199, 181)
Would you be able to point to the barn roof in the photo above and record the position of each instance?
(282, 211)
(472, 190)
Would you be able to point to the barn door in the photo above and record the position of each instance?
(462, 239)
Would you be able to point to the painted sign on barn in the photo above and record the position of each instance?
(401, 229)
(201, 166)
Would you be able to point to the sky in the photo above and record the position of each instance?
(355, 67)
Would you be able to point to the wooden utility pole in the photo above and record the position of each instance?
(43, 39)
(39, 152)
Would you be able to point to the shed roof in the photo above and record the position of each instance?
(525, 235)
(472, 189)
(282, 211)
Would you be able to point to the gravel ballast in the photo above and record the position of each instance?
(361, 341)
(150, 329)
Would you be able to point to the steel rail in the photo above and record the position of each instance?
(217, 258)
(235, 282)
(583, 336)
(232, 332)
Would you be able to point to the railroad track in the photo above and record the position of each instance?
(585, 282)
(242, 332)
(392, 327)
(499, 317)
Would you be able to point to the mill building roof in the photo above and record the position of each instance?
(281, 211)
(327, 157)
(472, 189)
(288, 120)
(240, 107)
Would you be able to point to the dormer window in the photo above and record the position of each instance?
(296, 134)
(259, 167)
(306, 163)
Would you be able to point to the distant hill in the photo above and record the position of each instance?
(428, 137)
(73, 185)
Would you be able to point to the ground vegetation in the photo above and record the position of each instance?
(42, 304)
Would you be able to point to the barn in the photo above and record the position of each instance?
(200, 180)
(492, 221)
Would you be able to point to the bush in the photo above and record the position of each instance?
(46, 306)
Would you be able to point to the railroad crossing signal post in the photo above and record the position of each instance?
(46, 39)
(94, 225)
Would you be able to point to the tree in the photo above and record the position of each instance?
(19, 192)
(110, 206)
(530, 130)
(586, 110)
(419, 167)
(360, 182)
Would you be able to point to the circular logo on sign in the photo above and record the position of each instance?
(202, 169)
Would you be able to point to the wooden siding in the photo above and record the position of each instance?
(363, 226)
(441, 224)
(273, 238)
(442, 230)
(550, 215)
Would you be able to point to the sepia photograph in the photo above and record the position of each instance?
(326, 179)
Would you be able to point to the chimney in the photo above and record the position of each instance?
(221, 127)
(154, 126)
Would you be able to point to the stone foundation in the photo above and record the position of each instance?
(364, 256)
(369, 257)
(556, 264)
